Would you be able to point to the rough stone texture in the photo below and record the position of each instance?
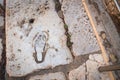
(50, 76)
(35, 37)
(82, 36)
(89, 70)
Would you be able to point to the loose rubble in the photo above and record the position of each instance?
(89, 70)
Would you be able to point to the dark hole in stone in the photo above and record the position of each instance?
(56, 50)
(31, 21)
(38, 9)
(21, 37)
(19, 50)
(67, 73)
(14, 34)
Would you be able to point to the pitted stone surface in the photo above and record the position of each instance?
(35, 37)
(89, 70)
(50, 76)
(82, 36)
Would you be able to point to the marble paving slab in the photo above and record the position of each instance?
(79, 27)
(35, 37)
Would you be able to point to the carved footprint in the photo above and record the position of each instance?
(41, 47)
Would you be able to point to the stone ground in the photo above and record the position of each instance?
(50, 40)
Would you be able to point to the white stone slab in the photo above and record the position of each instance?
(89, 70)
(33, 29)
(82, 36)
(50, 76)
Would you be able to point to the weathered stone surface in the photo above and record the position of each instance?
(89, 70)
(35, 37)
(50, 76)
(82, 36)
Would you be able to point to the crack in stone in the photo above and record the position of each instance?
(3, 54)
(2, 10)
(86, 74)
(28, 30)
(60, 14)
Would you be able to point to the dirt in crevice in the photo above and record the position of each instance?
(61, 15)
(2, 36)
(86, 75)
(3, 61)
